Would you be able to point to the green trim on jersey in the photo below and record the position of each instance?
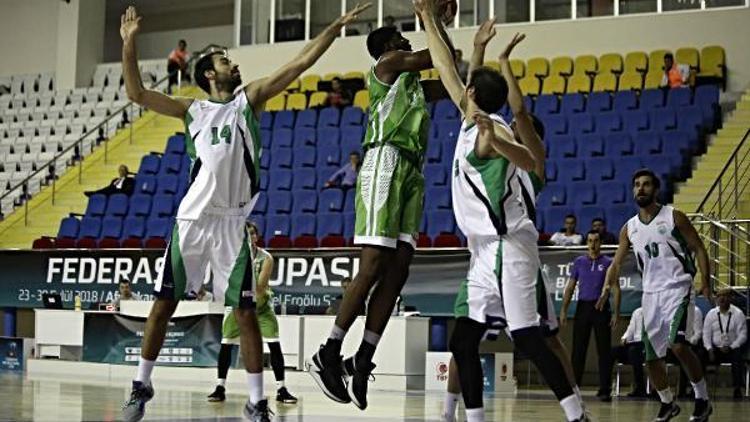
(499, 265)
(650, 352)
(493, 172)
(679, 320)
(461, 306)
(537, 182)
(252, 123)
(179, 275)
(189, 142)
(398, 114)
(541, 296)
(236, 277)
(688, 261)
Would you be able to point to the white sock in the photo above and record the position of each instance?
(221, 382)
(572, 407)
(280, 385)
(579, 396)
(337, 333)
(475, 415)
(666, 395)
(255, 384)
(700, 389)
(144, 370)
(371, 337)
(449, 406)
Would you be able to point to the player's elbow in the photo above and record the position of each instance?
(135, 95)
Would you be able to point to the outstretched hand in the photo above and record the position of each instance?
(353, 14)
(505, 55)
(130, 23)
(485, 33)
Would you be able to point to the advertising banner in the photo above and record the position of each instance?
(11, 354)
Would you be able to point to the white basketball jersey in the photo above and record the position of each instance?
(223, 142)
(661, 252)
(490, 197)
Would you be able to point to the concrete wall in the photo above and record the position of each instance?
(728, 28)
(158, 45)
(28, 36)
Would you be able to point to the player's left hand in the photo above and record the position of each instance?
(505, 55)
(485, 33)
(353, 14)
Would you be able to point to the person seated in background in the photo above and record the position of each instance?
(389, 21)
(334, 308)
(606, 237)
(676, 75)
(724, 336)
(339, 96)
(568, 235)
(122, 184)
(346, 177)
(178, 60)
(462, 65)
(125, 294)
(631, 352)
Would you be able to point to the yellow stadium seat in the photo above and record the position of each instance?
(276, 103)
(610, 63)
(493, 65)
(530, 85)
(561, 66)
(653, 79)
(518, 67)
(294, 86)
(309, 83)
(585, 65)
(579, 82)
(554, 84)
(631, 79)
(425, 74)
(318, 99)
(538, 66)
(605, 82)
(636, 61)
(353, 75)
(329, 76)
(434, 74)
(688, 56)
(656, 60)
(713, 62)
(296, 102)
(362, 99)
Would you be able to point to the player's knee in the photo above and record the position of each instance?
(529, 340)
(465, 340)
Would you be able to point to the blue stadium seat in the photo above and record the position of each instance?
(586, 214)
(539, 223)
(304, 136)
(349, 200)
(573, 104)
(690, 119)
(97, 205)
(618, 214)
(329, 156)
(329, 224)
(163, 206)
(352, 134)
(550, 171)
(134, 227)
(158, 227)
(283, 119)
(305, 201)
(434, 175)
(707, 98)
(581, 124)
(612, 192)
(561, 146)
(599, 102)
(652, 98)
(331, 200)
(303, 225)
(438, 198)
(434, 152)
(261, 205)
(647, 143)
(260, 223)
(175, 145)
(328, 136)
(348, 225)
(624, 101)
(445, 110)
(554, 195)
(659, 165)
(590, 145)
(582, 193)
(117, 205)
(186, 165)
(448, 129)
(626, 167)
(554, 218)
(528, 102)
(277, 225)
(111, 228)
(265, 159)
(171, 164)
(145, 184)
(599, 169)
(167, 184)
(305, 157)
(608, 122)
(571, 170)
(681, 97)
(281, 158)
(304, 179)
(618, 144)
(350, 145)
(265, 138)
(280, 202)
(546, 104)
(329, 116)
(306, 118)
(555, 124)
(282, 138)
(352, 116)
(664, 119)
(439, 222)
(279, 179)
(69, 227)
(266, 120)
(149, 164)
(90, 227)
(636, 121)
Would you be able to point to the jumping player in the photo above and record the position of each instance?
(389, 201)
(223, 143)
(269, 326)
(664, 244)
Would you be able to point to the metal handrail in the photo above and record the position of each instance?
(717, 183)
(51, 164)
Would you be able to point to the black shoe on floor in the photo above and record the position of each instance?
(360, 373)
(702, 411)
(667, 412)
(327, 372)
(283, 396)
(218, 394)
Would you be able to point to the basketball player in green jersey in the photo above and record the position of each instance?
(389, 201)
(665, 245)
(223, 144)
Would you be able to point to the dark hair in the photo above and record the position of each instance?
(354, 153)
(647, 172)
(204, 64)
(377, 40)
(124, 281)
(595, 219)
(538, 126)
(490, 89)
(570, 216)
(336, 78)
(252, 225)
(668, 56)
(182, 42)
(590, 232)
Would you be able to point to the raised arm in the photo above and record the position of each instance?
(154, 100)
(695, 245)
(496, 139)
(259, 91)
(484, 35)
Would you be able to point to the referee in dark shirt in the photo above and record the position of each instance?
(589, 272)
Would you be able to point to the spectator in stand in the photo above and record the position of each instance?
(122, 184)
(600, 226)
(724, 336)
(125, 294)
(462, 65)
(339, 96)
(346, 177)
(389, 21)
(676, 75)
(568, 235)
(631, 352)
(177, 60)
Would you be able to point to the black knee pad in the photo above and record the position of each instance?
(466, 337)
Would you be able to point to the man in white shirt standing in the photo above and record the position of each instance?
(724, 335)
(631, 351)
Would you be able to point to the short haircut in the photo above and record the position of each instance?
(182, 42)
(570, 216)
(336, 78)
(490, 89)
(204, 64)
(124, 281)
(346, 280)
(647, 172)
(590, 232)
(598, 219)
(377, 40)
(538, 126)
(354, 153)
(726, 291)
(669, 56)
(252, 225)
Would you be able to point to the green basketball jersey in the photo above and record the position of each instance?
(398, 115)
(263, 303)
